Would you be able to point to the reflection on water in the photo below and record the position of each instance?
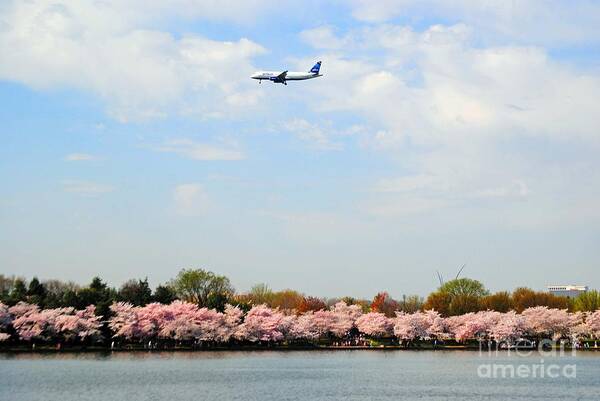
(287, 375)
(119, 355)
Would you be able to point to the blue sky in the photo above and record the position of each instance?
(134, 144)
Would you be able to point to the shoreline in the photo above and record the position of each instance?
(122, 350)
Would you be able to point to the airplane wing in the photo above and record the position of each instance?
(282, 75)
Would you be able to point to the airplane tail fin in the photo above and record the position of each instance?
(316, 68)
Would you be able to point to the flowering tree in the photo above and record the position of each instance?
(152, 321)
(124, 323)
(180, 328)
(184, 321)
(592, 324)
(305, 326)
(473, 325)
(287, 326)
(22, 322)
(413, 326)
(555, 323)
(322, 323)
(374, 324)
(78, 325)
(336, 322)
(38, 325)
(508, 328)
(343, 317)
(209, 324)
(590, 327)
(262, 324)
(481, 325)
(438, 327)
(22, 309)
(229, 322)
(50, 324)
(181, 321)
(178, 321)
(149, 320)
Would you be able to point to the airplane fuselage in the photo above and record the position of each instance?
(282, 77)
(290, 76)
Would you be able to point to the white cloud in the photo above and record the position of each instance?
(323, 37)
(190, 199)
(403, 207)
(433, 186)
(435, 87)
(86, 188)
(461, 120)
(410, 183)
(236, 11)
(318, 137)
(199, 151)
(74, 157)
(515, 189)
(549, 22)
(111, 50)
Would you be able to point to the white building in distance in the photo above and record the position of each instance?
(569, 291)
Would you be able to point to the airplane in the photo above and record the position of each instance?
(279, 77)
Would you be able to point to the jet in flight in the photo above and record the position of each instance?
(281, 77)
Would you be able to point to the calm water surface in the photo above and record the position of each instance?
(308, 375)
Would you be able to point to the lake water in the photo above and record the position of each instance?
(290, 375)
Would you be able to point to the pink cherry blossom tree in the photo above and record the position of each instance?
(322, 323)
(56, 324)
(78, 325)
(438, 327)
(228, 324)
(149, 320)
(262, 324)
(352, 311)
(590, 328)
(124, 321)
(305, 327)
(287, 325)
(180, 328)
(374, 324)
(179, 322)
(473, 325)
(508, 328)
(541, 321)
(413, 326)
(38, 325)
(592, 323)
(183, 321)
(21, 309)
(209, 324)
(342, 318)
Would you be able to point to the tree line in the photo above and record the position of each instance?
(185, 324)
(213, 291)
